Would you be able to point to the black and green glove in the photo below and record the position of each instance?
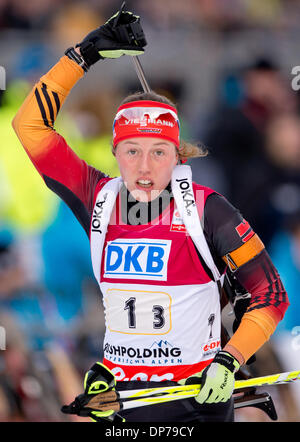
(121, 35)
(98, 379)
(217, 379)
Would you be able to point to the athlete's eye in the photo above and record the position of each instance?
(132, 152)
(159, 153)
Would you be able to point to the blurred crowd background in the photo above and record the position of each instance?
(228, 66)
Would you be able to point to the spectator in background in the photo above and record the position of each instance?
(30, 14)
(46, 332)
(11, 274)
(67, 273)
(20, 392)
(274, 190)
(236, 137)
(279, 187)
(285, 253)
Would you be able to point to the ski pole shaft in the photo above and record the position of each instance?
(140, 73)
(274, 379)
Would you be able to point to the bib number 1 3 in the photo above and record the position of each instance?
(138, 312)
(157, 310)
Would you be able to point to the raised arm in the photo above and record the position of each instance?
(62, 170)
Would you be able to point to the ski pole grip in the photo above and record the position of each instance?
(98, 379)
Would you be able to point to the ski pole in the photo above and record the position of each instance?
(140, 73)
(136, 61)
(112, 401)
(166, 394)
(100, 393)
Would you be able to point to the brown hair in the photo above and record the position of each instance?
(186, 150)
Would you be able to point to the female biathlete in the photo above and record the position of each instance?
(160, 243)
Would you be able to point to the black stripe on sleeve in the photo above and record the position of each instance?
(277, 288)
(281, 293)
(57, 102)
(282, 289)
(265, 300)
(47, 98)
(41, 106)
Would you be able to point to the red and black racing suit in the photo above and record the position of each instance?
(231, 239)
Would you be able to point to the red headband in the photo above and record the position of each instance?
(146, 119)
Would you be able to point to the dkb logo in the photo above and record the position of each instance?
(2, 78)
(137, 259)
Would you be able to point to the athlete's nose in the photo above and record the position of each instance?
(144, 164)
